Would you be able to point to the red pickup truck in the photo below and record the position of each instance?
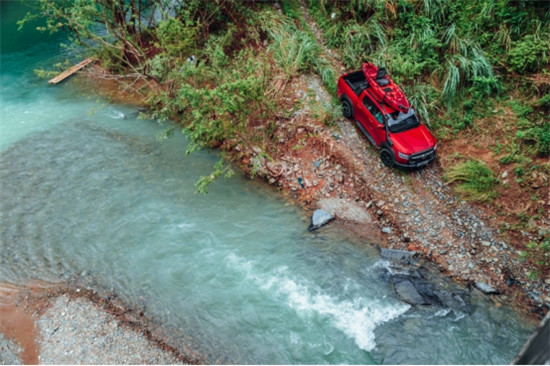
(382, 112)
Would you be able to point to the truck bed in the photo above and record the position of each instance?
(356, 81)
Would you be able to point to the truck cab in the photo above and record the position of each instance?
(392, 126)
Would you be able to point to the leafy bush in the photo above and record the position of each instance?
(484, 87)
(539, 137)
(475, 181)
(529, 54)
(177, 38)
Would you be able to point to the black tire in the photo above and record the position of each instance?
(387, 157)
(347, 108)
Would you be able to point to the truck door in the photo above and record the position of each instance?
(374, 120)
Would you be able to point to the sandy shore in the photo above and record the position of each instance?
(53, 326)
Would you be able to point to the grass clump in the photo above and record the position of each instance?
(294, 51)
(474, 180)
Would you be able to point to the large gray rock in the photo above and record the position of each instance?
(415, 290)
(345, 210)
(319, 218)
(407, 292)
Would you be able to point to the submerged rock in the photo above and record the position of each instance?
(407, 292)
(318, 219)
(394, 254)
(415, 290)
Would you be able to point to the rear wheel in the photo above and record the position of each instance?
(387, 157)
(347, 109)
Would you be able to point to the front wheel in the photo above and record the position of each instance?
(347, 109)
(387, 157)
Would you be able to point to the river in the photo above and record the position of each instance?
(88, 193)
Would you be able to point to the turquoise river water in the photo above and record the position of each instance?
(88, 193)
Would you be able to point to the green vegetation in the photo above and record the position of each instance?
(539, 256)
(230, 92)
(475, 180)
(472, 68)
(528, 54)
(445, 51)
(295, 51)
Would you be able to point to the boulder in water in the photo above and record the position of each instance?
(318, 219)
(407, 292)
(415, 290)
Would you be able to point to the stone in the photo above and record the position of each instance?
(345, 210)
(387, 230)
(394, 254)
(319, 218)
(485, 288)
(456, 300)
(414, 290)
(380, 203)
(408, 293)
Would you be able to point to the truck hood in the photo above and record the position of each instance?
(414, 140)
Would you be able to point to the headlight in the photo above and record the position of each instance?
(435, 147)
(403, 156)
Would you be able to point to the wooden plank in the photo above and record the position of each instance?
(65, 74)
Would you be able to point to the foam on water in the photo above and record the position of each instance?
(356, 316)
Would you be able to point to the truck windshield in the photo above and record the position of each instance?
(402, 121)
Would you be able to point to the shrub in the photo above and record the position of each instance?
(539, 137)
(528, 55)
